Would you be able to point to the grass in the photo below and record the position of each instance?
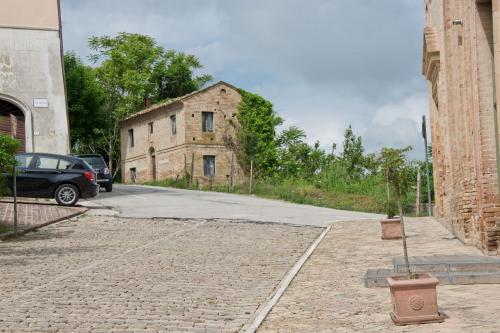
(4, 228)
(364, 195)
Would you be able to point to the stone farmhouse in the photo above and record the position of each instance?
(461, 61)
(32, 90)
(189, 135)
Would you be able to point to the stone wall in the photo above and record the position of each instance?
(458, 64)
(174, 153)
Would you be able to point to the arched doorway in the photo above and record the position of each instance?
(12, 122)
(152, 154)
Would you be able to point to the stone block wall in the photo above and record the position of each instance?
(173, 153)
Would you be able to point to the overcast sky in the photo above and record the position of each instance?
(324, 64)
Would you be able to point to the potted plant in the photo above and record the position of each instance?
(414, 296)
(391, 226)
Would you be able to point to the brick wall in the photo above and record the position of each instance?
(464, 136)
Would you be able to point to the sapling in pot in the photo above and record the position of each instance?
(413, 296)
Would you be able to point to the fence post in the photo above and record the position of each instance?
(419, 184)
(251, 175)
(192, 171)
(14, 185)
(232, 171)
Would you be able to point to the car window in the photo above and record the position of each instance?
(79, 166)
(64, 164)
(24, 160)
(95, 162)
(46, 163)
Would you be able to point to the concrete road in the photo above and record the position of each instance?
(148, 202)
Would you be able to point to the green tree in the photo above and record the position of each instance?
(296, 157)
(85, 99)
(256, 128)
(353, 152)
(399, 176)
(8, 149)
(176, 77)
(133, 68)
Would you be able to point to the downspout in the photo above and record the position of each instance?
(61, 50)
(495, 109)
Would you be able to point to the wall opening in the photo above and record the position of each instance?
(12, 123)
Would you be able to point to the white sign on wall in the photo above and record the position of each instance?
(40, 102)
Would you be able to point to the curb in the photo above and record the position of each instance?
(10, 234)
(264, 309)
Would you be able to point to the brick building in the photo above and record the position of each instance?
(189, 134)
(461, 61)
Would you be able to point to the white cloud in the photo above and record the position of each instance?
(324, 64)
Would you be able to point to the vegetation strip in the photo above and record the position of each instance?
(264, 310)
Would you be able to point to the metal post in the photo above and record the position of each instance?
(251, 175)
(427, 176)
(14, 189)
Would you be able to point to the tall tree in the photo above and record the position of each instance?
(133, 68)
(353, 153)
(85, 99)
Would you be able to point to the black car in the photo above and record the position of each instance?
(64, 178)
(104, 177)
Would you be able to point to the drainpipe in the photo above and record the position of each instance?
(496, 58)
(61, 50)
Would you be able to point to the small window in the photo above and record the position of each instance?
(47, 163)
(173, 123)
(64, 164)
(207, 121)
(209, 166)
(131, 137)
(133, 176)
(24, 161)
(150, 127)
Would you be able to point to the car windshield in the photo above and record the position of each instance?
(95, 162)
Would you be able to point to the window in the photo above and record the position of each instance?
(24, 160)
(173, 122)
(207, 121)
(131, 137)
(64, 164)
(209, 166)
(47, 163)
(150, 127)
(132, 175)
(78, 166)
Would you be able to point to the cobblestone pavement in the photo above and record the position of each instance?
(31, 214)
(111, 274)
(328, 294)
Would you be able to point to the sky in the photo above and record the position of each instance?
(324, 64)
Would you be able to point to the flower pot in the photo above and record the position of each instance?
(414, 300)
(391, 228)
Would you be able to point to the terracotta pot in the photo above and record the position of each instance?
(414, 300)
(391, 228)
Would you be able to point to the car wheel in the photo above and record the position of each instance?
(67, 195)
(109, 188)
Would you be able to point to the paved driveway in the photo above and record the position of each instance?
(112, 274)
(147, 202)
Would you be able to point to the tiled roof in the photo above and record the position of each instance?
(173, 101)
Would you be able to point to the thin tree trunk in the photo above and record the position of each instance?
(403, 233)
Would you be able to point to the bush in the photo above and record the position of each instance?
(8, 149)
